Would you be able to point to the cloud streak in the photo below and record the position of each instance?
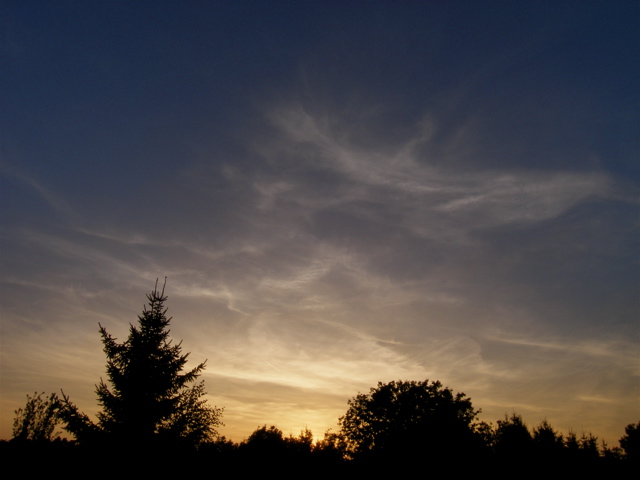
(406, 179)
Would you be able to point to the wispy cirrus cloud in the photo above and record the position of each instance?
(53, 199)
(402, 181)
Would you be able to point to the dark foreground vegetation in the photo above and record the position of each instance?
(154, 422)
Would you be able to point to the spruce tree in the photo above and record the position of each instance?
(148, 399)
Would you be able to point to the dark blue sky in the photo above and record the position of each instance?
(339, 192)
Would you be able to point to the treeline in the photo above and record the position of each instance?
(155, 421)
(397, 427)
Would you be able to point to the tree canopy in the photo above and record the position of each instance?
(630, 442)
(403, 417)
(148, 398)
(512, 436)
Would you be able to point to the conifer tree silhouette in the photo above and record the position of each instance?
(149, 399)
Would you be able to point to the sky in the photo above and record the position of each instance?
(339, 193)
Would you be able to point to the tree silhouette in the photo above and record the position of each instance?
(267, 440)
(38, 419)
(630, 442)
(410, 420)
(512, 438)
(332, 448)
(549, 444)
(149, 400)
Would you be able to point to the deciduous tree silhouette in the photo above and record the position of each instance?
(332, 448)
(410, 420)
(266, 448)
(268, 440)
(149, 400)
(38, 419)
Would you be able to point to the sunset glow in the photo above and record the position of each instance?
(339, 193)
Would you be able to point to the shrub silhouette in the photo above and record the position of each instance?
(38, 420)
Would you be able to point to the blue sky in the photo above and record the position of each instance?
(339, 193)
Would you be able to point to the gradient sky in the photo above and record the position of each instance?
(339, 193)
